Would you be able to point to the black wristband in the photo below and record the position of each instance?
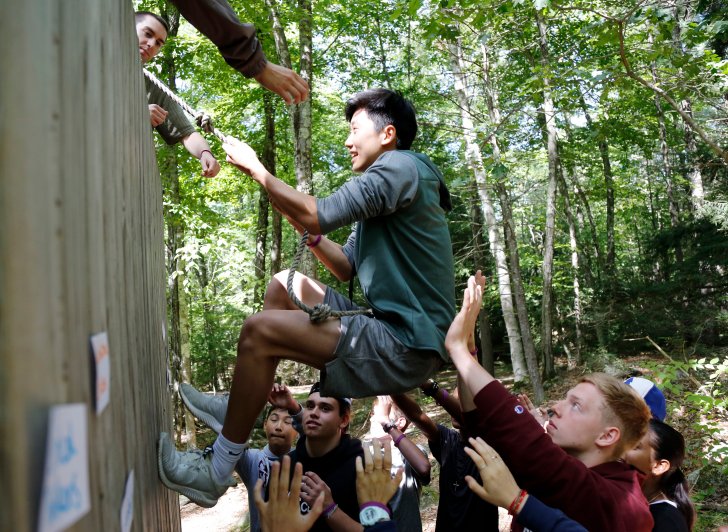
(433, 389)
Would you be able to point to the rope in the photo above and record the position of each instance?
(203, 120)
(320, 311)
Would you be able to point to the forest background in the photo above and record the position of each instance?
(584, 143)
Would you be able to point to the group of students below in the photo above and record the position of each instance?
(328, 476)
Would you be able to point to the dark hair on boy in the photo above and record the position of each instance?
(139, 14)
(669, 445)
(344, 402)
(385, 107)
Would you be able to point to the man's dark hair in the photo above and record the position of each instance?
(344, 402)
(140, 14)
(271, 409)
(385, 107)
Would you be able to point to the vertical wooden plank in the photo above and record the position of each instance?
(30, 356)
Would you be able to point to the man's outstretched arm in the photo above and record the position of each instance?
(240, 48)
(415, 414)
(299, 208)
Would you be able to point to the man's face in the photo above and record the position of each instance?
(578, 419)
(642, 456)
(364, 143)
(321, 417)
(279, 431)
(151, 37)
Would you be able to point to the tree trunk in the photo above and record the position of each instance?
(300, 113)
(548, 252)
(529, 347)
(666, 166)
(697, 194)
(475, 161)
(276, 242)
(261, 227)
(695, 177)
(179, 344)
(487, 356)
(575, 360)
(609, 186)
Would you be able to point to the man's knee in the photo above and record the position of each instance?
(255, 335)
(276, 295)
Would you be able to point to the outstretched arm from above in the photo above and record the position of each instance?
(415, 414)
(284, 82)
(200, 149)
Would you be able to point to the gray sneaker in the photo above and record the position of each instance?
(210, 409)
(189, 473)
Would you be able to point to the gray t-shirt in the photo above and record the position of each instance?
(255, 464)
(389, 184)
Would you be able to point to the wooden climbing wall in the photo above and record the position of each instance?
(81, 252)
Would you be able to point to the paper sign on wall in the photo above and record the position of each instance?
(127, 505)
(65, 497)
(100, 348)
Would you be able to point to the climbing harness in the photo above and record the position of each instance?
(321, 311)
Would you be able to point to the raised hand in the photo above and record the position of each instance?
(374, 481)
(243, 157)
(283, 82)
(461, 330)
(280, 397)
(498, 485)
(282, 511)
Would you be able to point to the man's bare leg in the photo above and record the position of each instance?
(280, 330)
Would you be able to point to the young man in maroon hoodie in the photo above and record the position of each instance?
(575, 466)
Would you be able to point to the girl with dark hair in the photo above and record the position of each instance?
(659, 455)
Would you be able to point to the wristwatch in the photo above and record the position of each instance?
(386, 427)
(433, 388)
(371, 515)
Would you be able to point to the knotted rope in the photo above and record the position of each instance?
(204, 122)
(320, 311)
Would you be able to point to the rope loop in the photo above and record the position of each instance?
(321, 311)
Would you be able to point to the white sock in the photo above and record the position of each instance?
(225, 454)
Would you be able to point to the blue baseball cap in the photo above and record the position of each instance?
(652, 395)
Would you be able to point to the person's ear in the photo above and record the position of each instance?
(660, 467)
(345, 420)
(609, 436)
(388, 136)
